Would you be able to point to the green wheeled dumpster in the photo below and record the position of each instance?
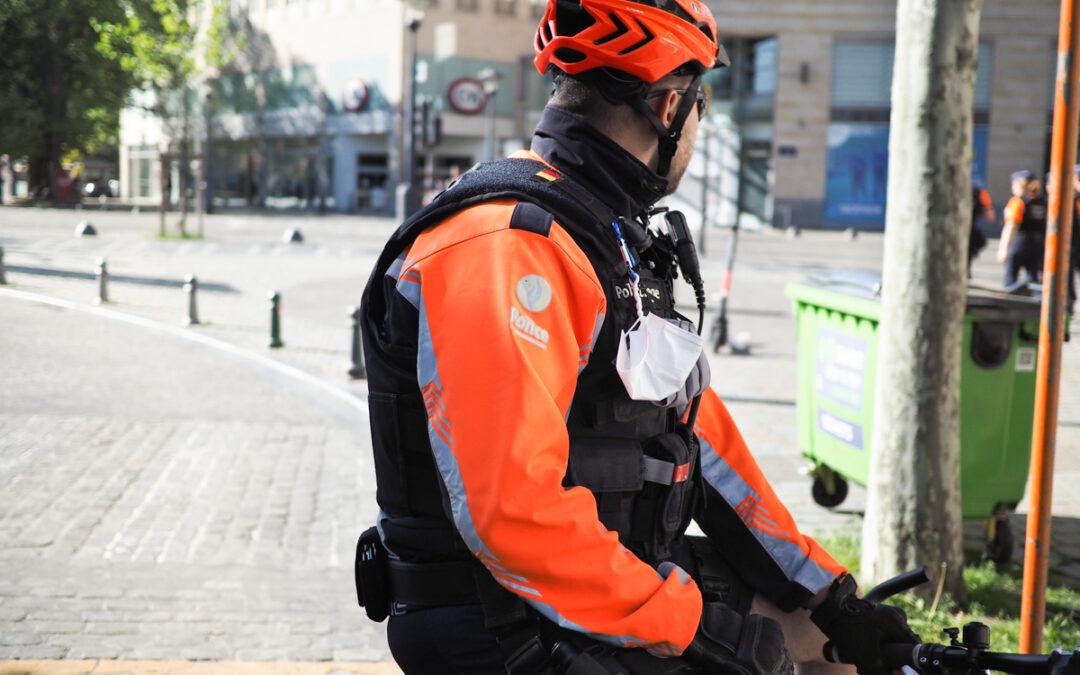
(837, 317)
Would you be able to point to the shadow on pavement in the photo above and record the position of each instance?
(120, 278)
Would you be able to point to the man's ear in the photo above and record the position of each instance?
(667, 106)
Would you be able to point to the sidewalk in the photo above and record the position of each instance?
(200, 508)
(214, 502)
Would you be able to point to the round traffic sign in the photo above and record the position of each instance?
(466, 95)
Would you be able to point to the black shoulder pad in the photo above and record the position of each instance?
(529, 216)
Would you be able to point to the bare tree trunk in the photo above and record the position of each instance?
(164, 169)
(185, 163)
(913, 508)
(262, 148)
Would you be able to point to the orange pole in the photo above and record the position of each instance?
(1052, 329)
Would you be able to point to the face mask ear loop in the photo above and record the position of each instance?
(628, 258)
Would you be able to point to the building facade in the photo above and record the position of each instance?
(828, 143)
(311, 116)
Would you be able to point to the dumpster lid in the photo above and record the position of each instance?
(993, 304)
(861, 283)
(983, 303)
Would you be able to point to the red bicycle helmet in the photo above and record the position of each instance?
(644, 38)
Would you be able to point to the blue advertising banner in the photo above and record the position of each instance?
(858, 162)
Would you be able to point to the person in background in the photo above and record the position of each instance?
(1074, 249)
(982, 207)
(1023, 237)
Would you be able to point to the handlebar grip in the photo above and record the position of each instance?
(896, 655)
(892, 655)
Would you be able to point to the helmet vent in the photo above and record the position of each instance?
(571, 18)
(649, 37)
(567, 55)
(620, 30)
(549, 34)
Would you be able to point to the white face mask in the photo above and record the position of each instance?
(655, 358)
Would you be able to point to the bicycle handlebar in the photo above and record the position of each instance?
(967, 657)
(944, 658)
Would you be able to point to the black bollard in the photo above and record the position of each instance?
(3, 272)
(357, 370)
(191, 287)
(275, 321)
(103, 281)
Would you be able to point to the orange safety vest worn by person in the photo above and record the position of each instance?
(542, 425)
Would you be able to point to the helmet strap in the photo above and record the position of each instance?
(668, 136)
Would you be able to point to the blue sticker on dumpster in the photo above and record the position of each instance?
(839, 367)
(848, 432)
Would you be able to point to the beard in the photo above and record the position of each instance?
(681, 160)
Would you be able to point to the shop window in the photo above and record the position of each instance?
(371, 178)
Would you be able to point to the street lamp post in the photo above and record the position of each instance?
(490, 77)
(408, 195)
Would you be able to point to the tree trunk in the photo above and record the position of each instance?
(262, 149)
(913, 507)
(164, 169)
(55, 95)
(185, 164)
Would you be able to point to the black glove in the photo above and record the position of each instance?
(1063, 663)
(857, 628)
(751, 645)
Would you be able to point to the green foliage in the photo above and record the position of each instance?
(155, 43)
(57, 93)
(993, 597)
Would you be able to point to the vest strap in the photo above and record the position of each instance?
(664, 473)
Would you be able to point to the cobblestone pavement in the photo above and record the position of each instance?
(219, 500)
(198, 508)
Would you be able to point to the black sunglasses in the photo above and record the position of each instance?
(700, 98)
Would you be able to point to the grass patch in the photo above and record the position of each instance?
(993, 597)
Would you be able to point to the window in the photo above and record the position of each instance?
(858, 137)
(764, 75)
(506, 7)
(862, 75)
(468, 5)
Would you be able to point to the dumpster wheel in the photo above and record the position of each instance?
(999, 539)
(829, 489)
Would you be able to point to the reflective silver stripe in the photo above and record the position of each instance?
(657, 470)
(746, 502)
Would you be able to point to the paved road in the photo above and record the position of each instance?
(163, 499)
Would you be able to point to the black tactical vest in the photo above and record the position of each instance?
(637, 459)
(1034, 220)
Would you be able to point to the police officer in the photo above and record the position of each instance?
(1023, 237)
(1074, 249)
(541, 419)
(982, 208)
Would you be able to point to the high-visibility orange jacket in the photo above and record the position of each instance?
(498, 360)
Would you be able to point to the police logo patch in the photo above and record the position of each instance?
(534, 292)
